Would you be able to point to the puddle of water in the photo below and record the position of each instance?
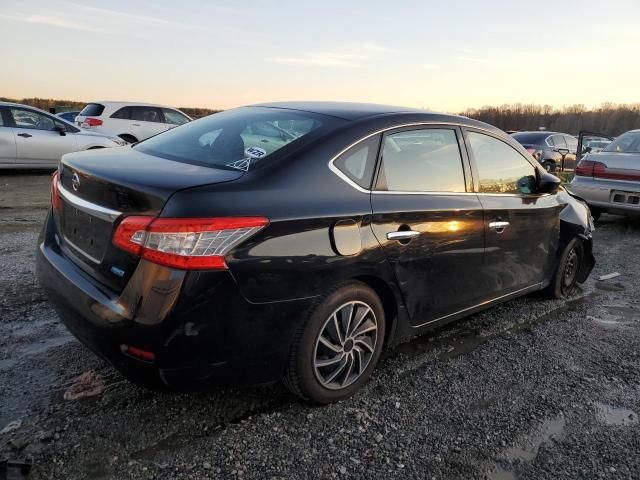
(169, 442)
(550, 429)
(611, 415)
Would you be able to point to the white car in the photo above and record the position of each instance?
(33, 138)
(130, 121)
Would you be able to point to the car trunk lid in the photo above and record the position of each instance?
(101, 187)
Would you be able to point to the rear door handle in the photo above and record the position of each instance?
(498, 226)
(135, 124)
(25, 135)
(402, 235)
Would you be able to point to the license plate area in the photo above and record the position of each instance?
(88, 235)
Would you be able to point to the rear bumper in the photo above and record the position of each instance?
(199, 326)
(613, 196)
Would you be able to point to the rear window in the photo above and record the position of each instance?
(626, 143)
(237, 139)
(92, 110)
(529, 138)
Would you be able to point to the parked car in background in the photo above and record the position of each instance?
(609, 180)
(33, 138)
(594, 145)
(68, 116)
(186, 261)
(553, 150)
(130, 121)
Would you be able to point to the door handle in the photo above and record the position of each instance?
(25, 135)
(402, 235)
(135, 124)
(498, 226)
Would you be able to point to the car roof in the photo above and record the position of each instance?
(133, 104)
(343, 110)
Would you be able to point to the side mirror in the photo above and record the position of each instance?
(61, 129)
(548, 183)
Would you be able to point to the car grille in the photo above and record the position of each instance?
(87, 234)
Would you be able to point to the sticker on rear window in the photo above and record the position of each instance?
(255, 152)
(241, 164)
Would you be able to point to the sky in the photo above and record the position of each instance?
(438, 55)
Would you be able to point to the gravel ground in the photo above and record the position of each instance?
(531, 389)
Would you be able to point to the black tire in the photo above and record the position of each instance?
(563, 283)
(128, 138)
(305, 376)
(595, 213)
(549, 166)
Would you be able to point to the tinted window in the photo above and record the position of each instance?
(124, 114)
(173, 117)
(236, 139)
(31, 119)
(529, 138)
(146, 114)
(626, 143)
(1, 118)
(92, 110)
(426, 160)
(501, 168)
(358, 162)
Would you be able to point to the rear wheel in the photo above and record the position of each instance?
(563, 283)
(334, 353)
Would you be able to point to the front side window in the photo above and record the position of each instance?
(145, 114)
(359, 161)
(174, 118)
(426, 160)
(501, 169)
(558, 141)
(236, 139)
(31, 119)
(572, 142)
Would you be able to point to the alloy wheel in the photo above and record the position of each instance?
(345, 346)
(571, 268)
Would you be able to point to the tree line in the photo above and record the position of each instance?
(609, 118)
(70, 105)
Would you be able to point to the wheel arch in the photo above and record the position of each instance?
(389, 303)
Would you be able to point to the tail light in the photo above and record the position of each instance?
(185, 243)
(92, 122)
(56, 202)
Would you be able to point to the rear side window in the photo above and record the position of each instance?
(173, 117)
(124, 114)
(237, 139)
(572, 142)
(359, 161)
(558, 141)
(426, 160)
(146, 114)
(501, 169)
(92, 110)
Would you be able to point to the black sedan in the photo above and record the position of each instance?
(555, 151)
(295, 241)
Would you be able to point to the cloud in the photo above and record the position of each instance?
(51, 21)
(132, 16)
(321, 59)
(430, 66)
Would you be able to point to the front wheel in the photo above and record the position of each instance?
(334, 353)
(563, 283)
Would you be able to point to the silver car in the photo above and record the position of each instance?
(609, 180)
(32, 138)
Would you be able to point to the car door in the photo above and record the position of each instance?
(146, 121)
(429, 224)
(7, 139)
(521, 226)
(37, 141)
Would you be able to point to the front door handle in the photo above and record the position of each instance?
(135, 124)
(25, 135)
(402, 235)
(499, 226)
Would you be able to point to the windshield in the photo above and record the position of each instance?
(626, 143)
(236, 139)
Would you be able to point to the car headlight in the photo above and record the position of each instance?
(119, 141)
